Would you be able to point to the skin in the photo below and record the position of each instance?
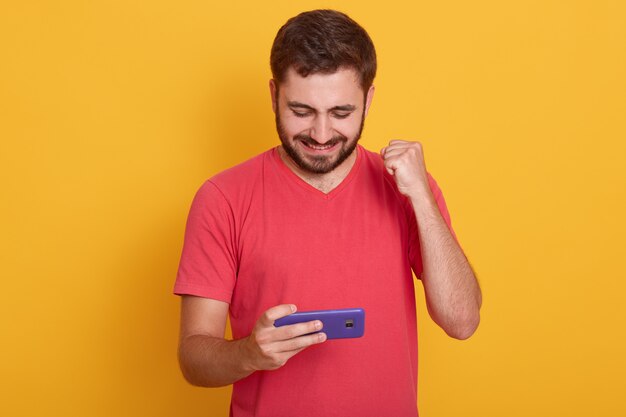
(312, 114)
(453, 297)
(321, 107)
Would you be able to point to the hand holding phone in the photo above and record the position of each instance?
(269, 347)
(338, 324)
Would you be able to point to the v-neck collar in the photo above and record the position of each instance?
(292, 176)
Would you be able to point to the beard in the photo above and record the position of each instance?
(318, 164)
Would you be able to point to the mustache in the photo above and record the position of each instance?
(310, 141)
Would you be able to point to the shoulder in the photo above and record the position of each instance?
(240, 174)
(230, 188)
(372, 163)
(371, 159)
(239, 180)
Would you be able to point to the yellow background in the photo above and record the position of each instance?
(112, 113)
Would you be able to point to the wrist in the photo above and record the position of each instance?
(245, 356)
(422, 197)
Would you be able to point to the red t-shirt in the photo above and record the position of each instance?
(257, 236)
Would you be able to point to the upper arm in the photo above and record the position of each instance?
(208, 263)
(204, 316)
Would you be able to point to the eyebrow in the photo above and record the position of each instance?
(298, 105)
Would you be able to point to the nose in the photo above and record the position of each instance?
(321, 130)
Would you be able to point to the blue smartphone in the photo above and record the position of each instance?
(338, 324)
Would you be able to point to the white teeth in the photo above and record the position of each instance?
(319, 147)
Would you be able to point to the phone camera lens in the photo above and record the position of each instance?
(349, 323)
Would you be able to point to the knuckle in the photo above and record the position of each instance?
(289, 345)
(311, 340)
(297, 344)
(265, 350)
(292, 332)
(261, 338)
(298, 330)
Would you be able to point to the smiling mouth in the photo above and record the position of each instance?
(319, 147)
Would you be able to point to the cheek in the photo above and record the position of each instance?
(293, 125)
(348, 128)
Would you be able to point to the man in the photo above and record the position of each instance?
(319, 223)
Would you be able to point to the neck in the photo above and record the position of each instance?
(323, 182)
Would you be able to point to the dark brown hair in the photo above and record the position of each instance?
(322, 41)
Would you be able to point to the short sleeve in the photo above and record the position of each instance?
(208, 264)
(414, 247)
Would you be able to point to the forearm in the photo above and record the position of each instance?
(212, 362)
(452, 292)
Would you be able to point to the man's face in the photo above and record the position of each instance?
(319, 118)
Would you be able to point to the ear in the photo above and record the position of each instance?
(368, 99)
(273, 91)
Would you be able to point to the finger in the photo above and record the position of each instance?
(395, 162)
(393, 149)
(299, 343)
(403, 144)
(411, 152)
(271, 315)
(393, 152)
(390, 169)
(292, 353)
(282, 358)
(389, 166)
(298, 329)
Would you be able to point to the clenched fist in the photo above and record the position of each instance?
(405, 161)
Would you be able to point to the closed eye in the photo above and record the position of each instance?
(298, 114)
(341, 115)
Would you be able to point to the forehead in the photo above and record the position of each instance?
(323, 90)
